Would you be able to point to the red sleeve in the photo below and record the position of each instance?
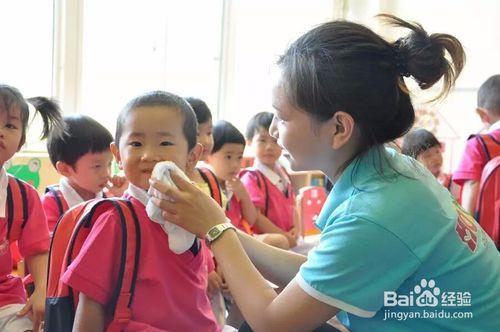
(34, 237)
(51, 210)
(472, 163)
(257, 195)
(95, 270)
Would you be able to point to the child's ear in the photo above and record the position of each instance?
(484, 115)
(116, 153)
(64, 169)
(194, 156)
(341, 127)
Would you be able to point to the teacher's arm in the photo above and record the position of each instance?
(276, 265)
(292, 310)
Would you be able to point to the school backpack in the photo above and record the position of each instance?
(17, 216)
(489, 144)
(69, 235)
(261, 183)
(213, 184)
(216, 192)
(17, 208)
(62, 205)
(487, 211)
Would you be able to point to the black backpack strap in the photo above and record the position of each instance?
(484, 146)
(16, 194)
(54, 191)
(210, 179)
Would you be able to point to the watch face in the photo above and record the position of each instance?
(213, 232)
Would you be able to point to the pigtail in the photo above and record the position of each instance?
(50, 112)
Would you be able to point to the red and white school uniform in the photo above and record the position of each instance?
(170, 291)
(69, 198)
(280, 194)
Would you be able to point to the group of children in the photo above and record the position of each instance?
(423, 146)
(153, 127)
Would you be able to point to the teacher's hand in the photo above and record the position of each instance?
(188, 206)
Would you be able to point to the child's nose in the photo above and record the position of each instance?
(151, 154)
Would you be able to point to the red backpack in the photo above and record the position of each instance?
(17, 216)
(490, 145)
(62, 205)
(17, 208)
(216, 192)
(487, 211)
(69, 235)
(212, 182)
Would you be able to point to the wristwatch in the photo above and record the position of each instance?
(216, 231)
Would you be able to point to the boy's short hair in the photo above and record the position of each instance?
(259, 121)
(200, 109)
(225, 133)
(166, 99)
(81, 135)
(417, 141)
(488, 96)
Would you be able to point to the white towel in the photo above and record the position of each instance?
(179, 240)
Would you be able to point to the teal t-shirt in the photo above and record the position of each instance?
(397, 253)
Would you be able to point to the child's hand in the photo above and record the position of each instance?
(236, 186)
(117, 185)
(35, 309)
(292, 240)
(294, 233)
(214, 283)
(223, 287)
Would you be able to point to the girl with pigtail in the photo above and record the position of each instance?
(21, 215)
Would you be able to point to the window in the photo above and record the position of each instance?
(27, 39)
(144, 46)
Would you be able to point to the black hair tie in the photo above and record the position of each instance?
(400, 58)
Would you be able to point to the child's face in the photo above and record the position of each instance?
(205, 138)
(11, 132)
(432, 159)
(267, 150)
(149, 135)
(91, 172)
(227, 161)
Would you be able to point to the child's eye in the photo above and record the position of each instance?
(97, 166)
(10, 126)
(135, 144)
(166, 143)
(228, 157)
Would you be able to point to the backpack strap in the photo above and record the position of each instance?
(214, 186)
(69, 236)
(486, 140)
(131, 246)
(486, 151)
(17, 208)
(262, 184)
(62, 205)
